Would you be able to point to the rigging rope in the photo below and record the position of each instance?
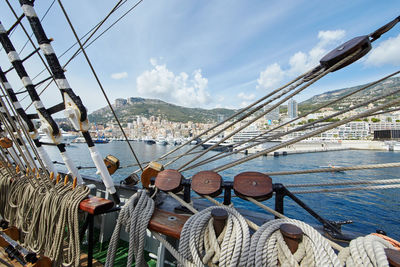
(135, 216)
(321, 73)
(384, 181)
(336, 169)
(374, 187)
(308, 135)
(251, 106)
(279, 135)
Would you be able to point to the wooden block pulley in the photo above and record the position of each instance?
(169, 181)
(256, 185)
(5, 142)
(112, 164)
(207, 183)
(149, 172)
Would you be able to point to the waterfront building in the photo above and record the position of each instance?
(351, 130)
(292, 109)
(384, 125)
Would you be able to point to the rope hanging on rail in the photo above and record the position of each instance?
(41, 214)
(268, 247)
(135, 216)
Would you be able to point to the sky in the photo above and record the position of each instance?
(210, 53)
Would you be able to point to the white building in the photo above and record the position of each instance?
(292, 109)
(382, 125)
(351, 130)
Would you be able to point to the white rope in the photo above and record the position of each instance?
(135, 216)
(331, 190)
(336, 169)
(48, 220)
(384, 181)
(199, 245)
(268, 247)
(365, 251)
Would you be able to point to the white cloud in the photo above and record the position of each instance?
(179, 88)
(245, 96)
(387, 52)
(300, 62)
(244, 104)
(270, 77)
(119, 75)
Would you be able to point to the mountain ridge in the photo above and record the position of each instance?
(147, 107)
(138, 106)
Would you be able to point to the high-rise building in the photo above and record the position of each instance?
(292, 109)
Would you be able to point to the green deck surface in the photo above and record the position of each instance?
(100, 252)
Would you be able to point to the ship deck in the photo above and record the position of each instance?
(6, 261)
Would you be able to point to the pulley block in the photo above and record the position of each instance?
(149, 172)
(112, 164)
(256, 185)
(361, 43)
(207, 183)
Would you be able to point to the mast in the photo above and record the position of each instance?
(75, 111)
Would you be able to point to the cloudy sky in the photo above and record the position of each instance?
(210, 53)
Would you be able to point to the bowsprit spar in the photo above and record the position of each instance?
(44, 210)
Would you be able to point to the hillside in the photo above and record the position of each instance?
(388, 86)
(153, 107)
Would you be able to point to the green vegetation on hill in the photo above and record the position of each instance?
(374, 91)
(158, 108)
(170, 112)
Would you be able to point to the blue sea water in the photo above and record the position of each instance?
(370, 210)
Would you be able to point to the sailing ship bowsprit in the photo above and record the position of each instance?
(45, 213)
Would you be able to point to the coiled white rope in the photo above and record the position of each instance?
(199, 245)
(135, 216)
(5, 183)
(268, 247)
(48, 220)
(365, 251)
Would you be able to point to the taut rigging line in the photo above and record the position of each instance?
(308, 135)
(336, 59)
(319, 74)
(310, 124)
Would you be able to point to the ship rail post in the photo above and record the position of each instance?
(333, 228)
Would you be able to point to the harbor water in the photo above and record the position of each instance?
(370, 210)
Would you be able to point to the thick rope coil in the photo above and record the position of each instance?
(366, 251)
(199, 245)
(5, 184)
(268, 247)
(135, 216)
(395, 243)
